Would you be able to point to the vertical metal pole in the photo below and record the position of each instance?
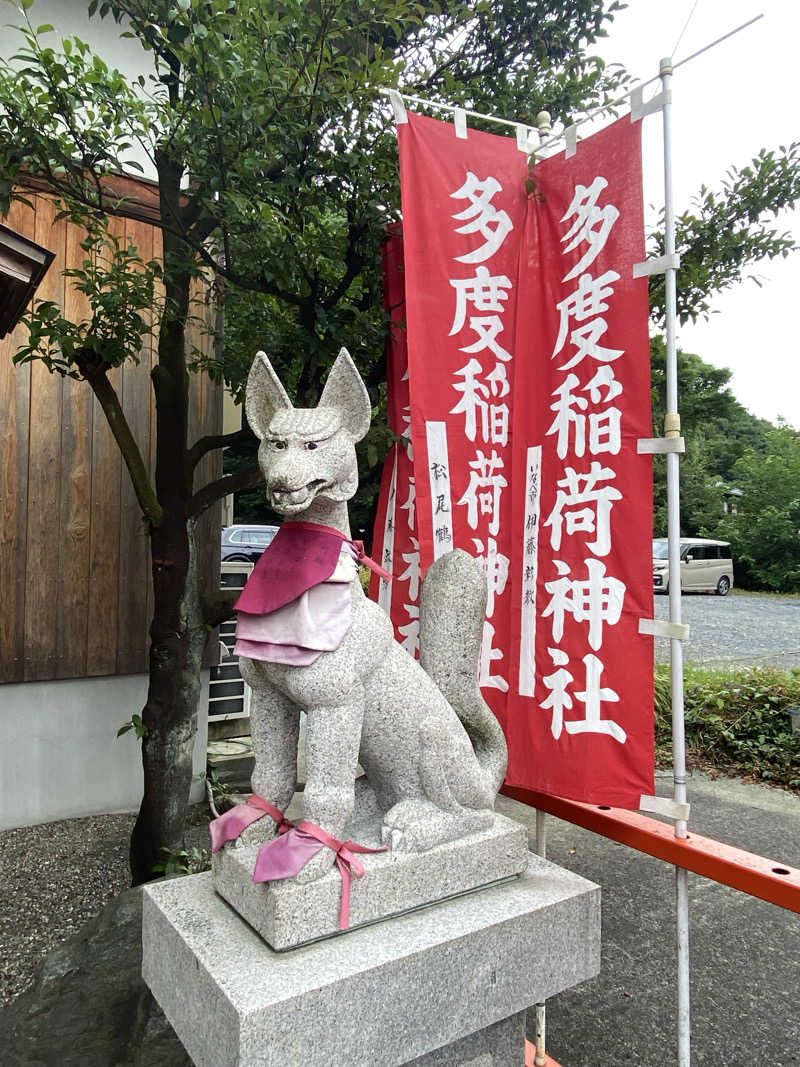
(540, 1056)
(540, 1059)
(672, 428)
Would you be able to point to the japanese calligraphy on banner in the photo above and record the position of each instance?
(528, 369)
(395, 542)
(583, 496)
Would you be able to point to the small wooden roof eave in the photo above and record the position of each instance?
(23, 264)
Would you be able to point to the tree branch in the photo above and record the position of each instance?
(218, 607)
(353, 262)
(228, 483)
(258, 285)
(207, 444)
(140, 478)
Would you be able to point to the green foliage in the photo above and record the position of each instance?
(765, 534)
(737, 720)
(184, 861)
(718, 431)
(728, 231)
(365, 577)
(221, 792)
(65, 115)
(275, 112)
(121, 293)
(134, 723)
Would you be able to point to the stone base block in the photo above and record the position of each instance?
(396, 992)
(499, 1045)
(287, 914)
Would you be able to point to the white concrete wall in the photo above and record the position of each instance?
(60, 756)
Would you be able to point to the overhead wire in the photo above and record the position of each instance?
(683, 31)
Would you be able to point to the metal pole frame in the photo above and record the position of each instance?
(540, 1058)
(672, 428)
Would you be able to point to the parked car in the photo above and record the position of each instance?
(245, 544)
(706, 566)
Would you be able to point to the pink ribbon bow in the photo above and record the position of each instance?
(285, 856)
(231, 823)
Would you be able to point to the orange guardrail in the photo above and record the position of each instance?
(756, 875)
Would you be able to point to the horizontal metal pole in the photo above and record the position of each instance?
(756, 875)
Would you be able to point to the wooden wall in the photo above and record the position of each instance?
(75, 587)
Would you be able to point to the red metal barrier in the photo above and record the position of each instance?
(760, 877)
(530, 1057)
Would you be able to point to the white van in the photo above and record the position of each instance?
(706, 566)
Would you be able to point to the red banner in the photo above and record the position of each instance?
(395, 541)
(583, 496)
(528, 367)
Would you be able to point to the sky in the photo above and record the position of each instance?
(728, 103)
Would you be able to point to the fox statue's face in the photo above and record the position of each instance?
(307, 453)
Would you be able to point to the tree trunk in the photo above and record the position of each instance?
(178, 632)
(178, 637)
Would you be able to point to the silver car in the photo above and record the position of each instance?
(245, 544)
(706, 566)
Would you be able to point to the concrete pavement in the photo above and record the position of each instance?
(745, 953)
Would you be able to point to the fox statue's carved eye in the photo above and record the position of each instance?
(311, 445)
(279, 444)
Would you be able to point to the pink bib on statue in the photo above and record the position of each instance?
(301, 556)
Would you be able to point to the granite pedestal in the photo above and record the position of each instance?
(288, 914)
(445, 986)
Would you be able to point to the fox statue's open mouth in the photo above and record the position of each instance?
(288, 501)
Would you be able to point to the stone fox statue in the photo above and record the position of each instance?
(433, 752)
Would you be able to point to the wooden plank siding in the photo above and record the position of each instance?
(44, 467)
(77, 415)
(105, 521)
(134, 545)
(75, 586)
(14, 424)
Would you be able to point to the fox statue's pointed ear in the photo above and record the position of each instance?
(264, 395)
(345, 391)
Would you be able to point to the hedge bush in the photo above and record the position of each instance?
(737, 720)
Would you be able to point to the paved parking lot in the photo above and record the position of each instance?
(737, 629)
(744, 952)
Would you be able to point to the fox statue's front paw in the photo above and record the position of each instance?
(258, 833)
(316, 867)
(415, 825)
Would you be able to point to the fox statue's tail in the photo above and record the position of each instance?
(452, 611)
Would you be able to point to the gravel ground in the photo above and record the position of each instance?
(740, 629)
(57, 876)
